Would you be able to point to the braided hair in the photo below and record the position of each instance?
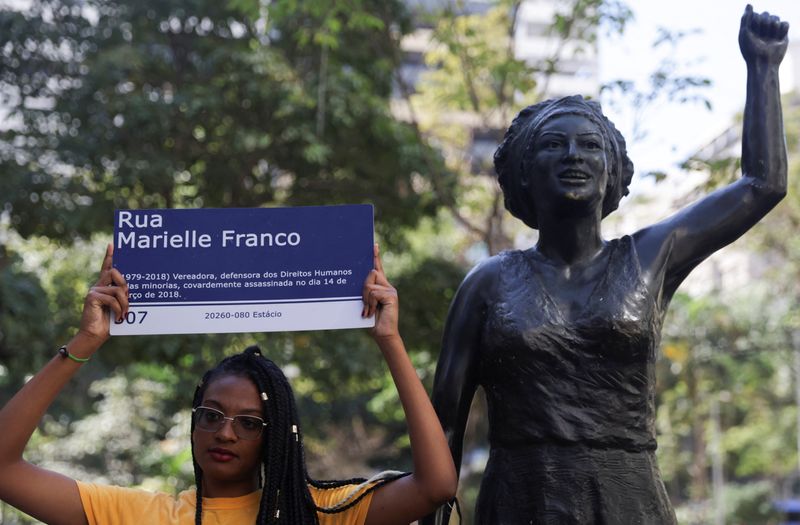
(283, 478)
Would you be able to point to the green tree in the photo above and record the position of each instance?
(201, 103)
(727, 351)
(23, 306)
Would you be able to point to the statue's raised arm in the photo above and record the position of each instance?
(723, 216)
(763, 42)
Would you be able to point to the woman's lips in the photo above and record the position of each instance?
(222, 455)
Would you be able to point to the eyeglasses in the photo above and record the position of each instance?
(212, 420)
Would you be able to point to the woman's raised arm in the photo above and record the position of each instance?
(433, 481)
(718, 219)
(46, 495)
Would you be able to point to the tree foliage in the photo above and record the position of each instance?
(201, 103)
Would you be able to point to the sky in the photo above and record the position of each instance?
(674, 132)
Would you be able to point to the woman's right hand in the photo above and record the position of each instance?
(108, 295)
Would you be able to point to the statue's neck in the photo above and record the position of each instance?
(570, 240)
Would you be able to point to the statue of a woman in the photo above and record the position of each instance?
(563, 336)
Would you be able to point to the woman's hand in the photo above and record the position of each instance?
(380, 300)
(762, 37)
(109, 294)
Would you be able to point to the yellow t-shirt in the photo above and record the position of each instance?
(109, 505)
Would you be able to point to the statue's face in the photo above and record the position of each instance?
(568, 165)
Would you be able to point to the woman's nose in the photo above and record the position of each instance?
(226, 431)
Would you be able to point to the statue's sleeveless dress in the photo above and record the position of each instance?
(571, 402)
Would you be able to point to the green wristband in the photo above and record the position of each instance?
(66, 355)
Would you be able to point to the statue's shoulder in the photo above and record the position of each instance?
(488, 267)
(486, 275)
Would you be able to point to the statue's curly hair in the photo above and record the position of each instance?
(517, 147)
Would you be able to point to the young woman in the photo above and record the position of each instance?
(563, 337)
(247, 445)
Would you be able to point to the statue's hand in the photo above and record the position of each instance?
(762, 37)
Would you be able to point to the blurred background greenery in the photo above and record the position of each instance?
(192, 103)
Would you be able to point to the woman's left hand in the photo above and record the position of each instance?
(380, 299)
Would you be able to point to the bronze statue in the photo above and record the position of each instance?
(563, 336)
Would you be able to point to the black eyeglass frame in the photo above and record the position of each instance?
(235, 422)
